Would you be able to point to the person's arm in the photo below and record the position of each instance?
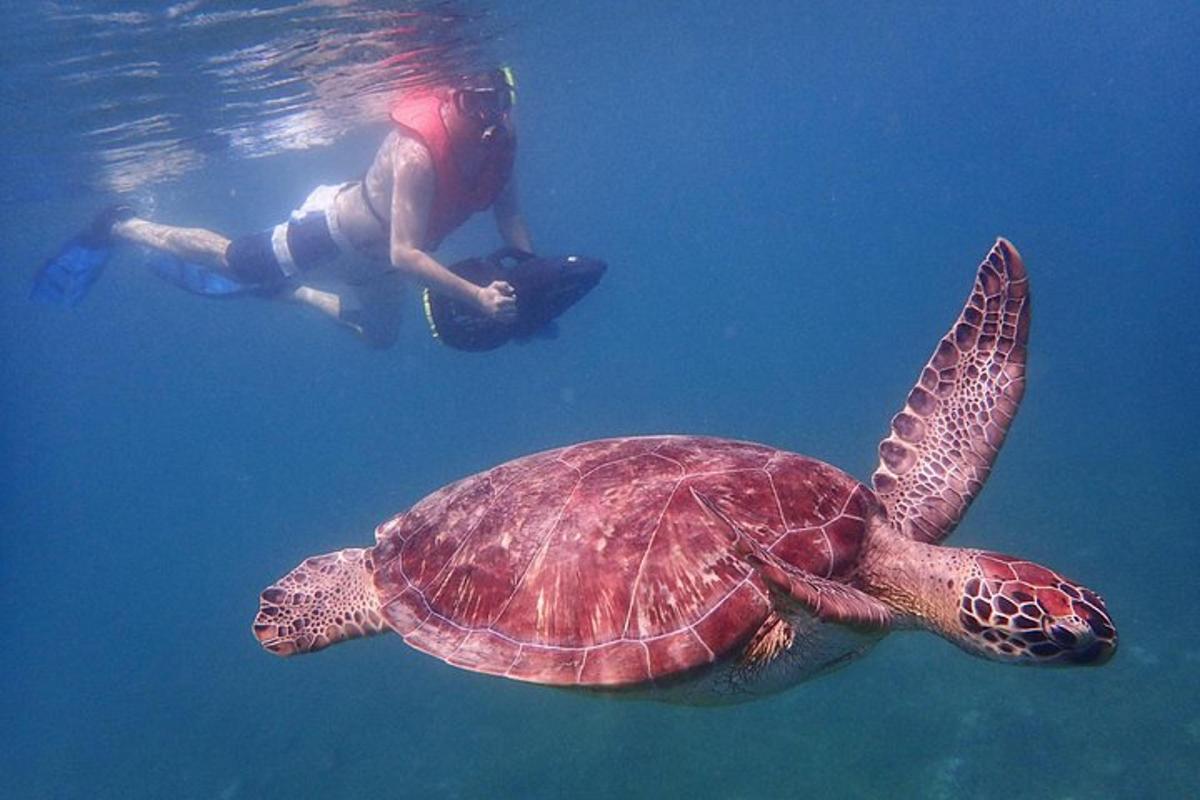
(412, 199)
(509, 221)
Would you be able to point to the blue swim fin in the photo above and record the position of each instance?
(66, 277)
(195, 278)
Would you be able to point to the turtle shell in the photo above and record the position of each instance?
(598, 565)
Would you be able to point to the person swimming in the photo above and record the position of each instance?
(348, 248)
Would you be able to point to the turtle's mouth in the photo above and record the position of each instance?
(1079, 640)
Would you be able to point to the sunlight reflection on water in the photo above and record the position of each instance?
(159, 91)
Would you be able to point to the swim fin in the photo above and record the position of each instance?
(195, 278)
(67, 276)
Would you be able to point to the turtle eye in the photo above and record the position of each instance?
(1060, 634)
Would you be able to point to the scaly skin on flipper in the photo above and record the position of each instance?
(326, 600)
(942, 444)
(771, 640)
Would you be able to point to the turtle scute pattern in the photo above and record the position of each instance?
(595, 565)
(325, 600)
(942, 444)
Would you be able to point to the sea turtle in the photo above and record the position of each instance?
(707, 570)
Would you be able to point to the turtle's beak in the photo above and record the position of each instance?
(1088, 638)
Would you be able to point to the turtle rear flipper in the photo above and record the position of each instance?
(326, 600)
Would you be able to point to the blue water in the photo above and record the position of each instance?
(792, 202)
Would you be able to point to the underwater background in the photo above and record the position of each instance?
(792, 199)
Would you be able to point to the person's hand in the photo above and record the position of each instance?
(498, 300)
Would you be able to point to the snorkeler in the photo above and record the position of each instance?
(348, 248)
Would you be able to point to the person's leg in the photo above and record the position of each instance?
(198, 245)
(251, 259)
(374, 315)
(327, 303)
(195, 245)
(379, 311)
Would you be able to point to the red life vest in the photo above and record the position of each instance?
(435, 120)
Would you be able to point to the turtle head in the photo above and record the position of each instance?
(1017, 611)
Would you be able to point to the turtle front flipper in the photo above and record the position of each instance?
(326, 600)
(942, 444)
(826, 599)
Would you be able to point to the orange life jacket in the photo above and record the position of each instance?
(434, 119)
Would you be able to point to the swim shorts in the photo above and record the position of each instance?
(308, 239)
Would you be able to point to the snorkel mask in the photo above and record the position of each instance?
(487, 98)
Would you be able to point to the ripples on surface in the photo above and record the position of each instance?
(137, 92)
